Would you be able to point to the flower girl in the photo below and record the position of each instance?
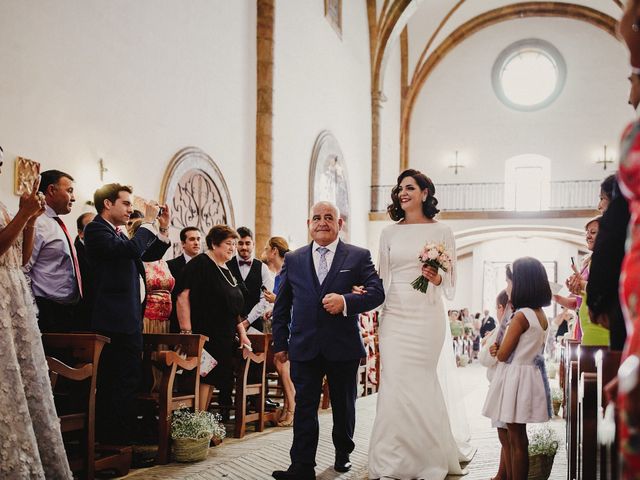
(519, 391)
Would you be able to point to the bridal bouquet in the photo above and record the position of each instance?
(434, 255)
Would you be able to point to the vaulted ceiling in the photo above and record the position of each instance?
(429, 29)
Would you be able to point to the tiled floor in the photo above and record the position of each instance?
(255, 456)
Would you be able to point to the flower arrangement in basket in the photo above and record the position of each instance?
(543, 445)
(433, 255)
(464, 360)
(552, 369)
(191, 433)
(556, 399)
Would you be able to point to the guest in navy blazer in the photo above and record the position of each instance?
(315, 326)
(117, 276)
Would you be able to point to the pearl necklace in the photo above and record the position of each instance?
(235, 282)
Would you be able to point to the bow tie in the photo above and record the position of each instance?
(245, 262)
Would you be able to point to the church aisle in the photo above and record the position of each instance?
(255, 456)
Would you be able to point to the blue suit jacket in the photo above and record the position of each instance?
(117, 265)
(302, 326)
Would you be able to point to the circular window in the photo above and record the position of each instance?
(528, 75)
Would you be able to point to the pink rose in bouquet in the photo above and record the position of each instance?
(434, 255)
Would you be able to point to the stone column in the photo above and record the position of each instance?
(264, 120)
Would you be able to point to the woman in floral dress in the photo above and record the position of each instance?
(159, 283)
(30, 439)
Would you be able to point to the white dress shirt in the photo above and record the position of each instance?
(267, 276)
(50, 268)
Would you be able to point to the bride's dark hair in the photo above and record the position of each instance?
(429, 208)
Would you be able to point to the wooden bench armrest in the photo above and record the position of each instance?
(64, 370)
(255, 357)
(169, 358)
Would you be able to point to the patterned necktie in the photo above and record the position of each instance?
(74, 256)
(323, 269)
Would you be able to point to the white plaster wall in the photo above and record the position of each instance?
(470, 285)
(130, 82)
(321, 82)
(458, 109)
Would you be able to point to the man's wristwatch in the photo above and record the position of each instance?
(163, 230)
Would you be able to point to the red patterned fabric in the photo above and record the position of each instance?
(159, 285)
(629, 181)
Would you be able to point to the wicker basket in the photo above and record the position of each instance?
(540, 466)
(190, 449)
(556, 404)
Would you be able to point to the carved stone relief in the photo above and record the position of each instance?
(195, 191)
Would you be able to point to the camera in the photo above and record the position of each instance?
(160, 211)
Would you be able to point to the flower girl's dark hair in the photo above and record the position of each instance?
(530, 284)
(428, 206)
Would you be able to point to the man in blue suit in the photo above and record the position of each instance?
(315, 326)
(118, 296)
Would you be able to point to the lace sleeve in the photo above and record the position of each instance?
(383, 262)
(449, 277)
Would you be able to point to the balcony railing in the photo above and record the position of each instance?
(490, 196)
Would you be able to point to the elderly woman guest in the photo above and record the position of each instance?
(209, 303)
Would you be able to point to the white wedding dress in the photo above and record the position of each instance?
(420, 430)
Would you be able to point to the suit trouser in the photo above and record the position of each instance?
(54, 317)
(119, 376)
(307, 378)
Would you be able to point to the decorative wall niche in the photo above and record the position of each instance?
(196, 192)
(328, 177)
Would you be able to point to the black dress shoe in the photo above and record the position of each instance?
(295, 472)
(343, 464)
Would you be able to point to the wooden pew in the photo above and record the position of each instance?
(73, 361)
(168, 353)
(260, 346)
(570, 406)
(607, 366)
(584, 363)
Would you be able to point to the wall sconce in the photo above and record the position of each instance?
(456, 165)
(102, 169)
(604, 160)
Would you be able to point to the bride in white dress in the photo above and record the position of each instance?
(419, 432)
